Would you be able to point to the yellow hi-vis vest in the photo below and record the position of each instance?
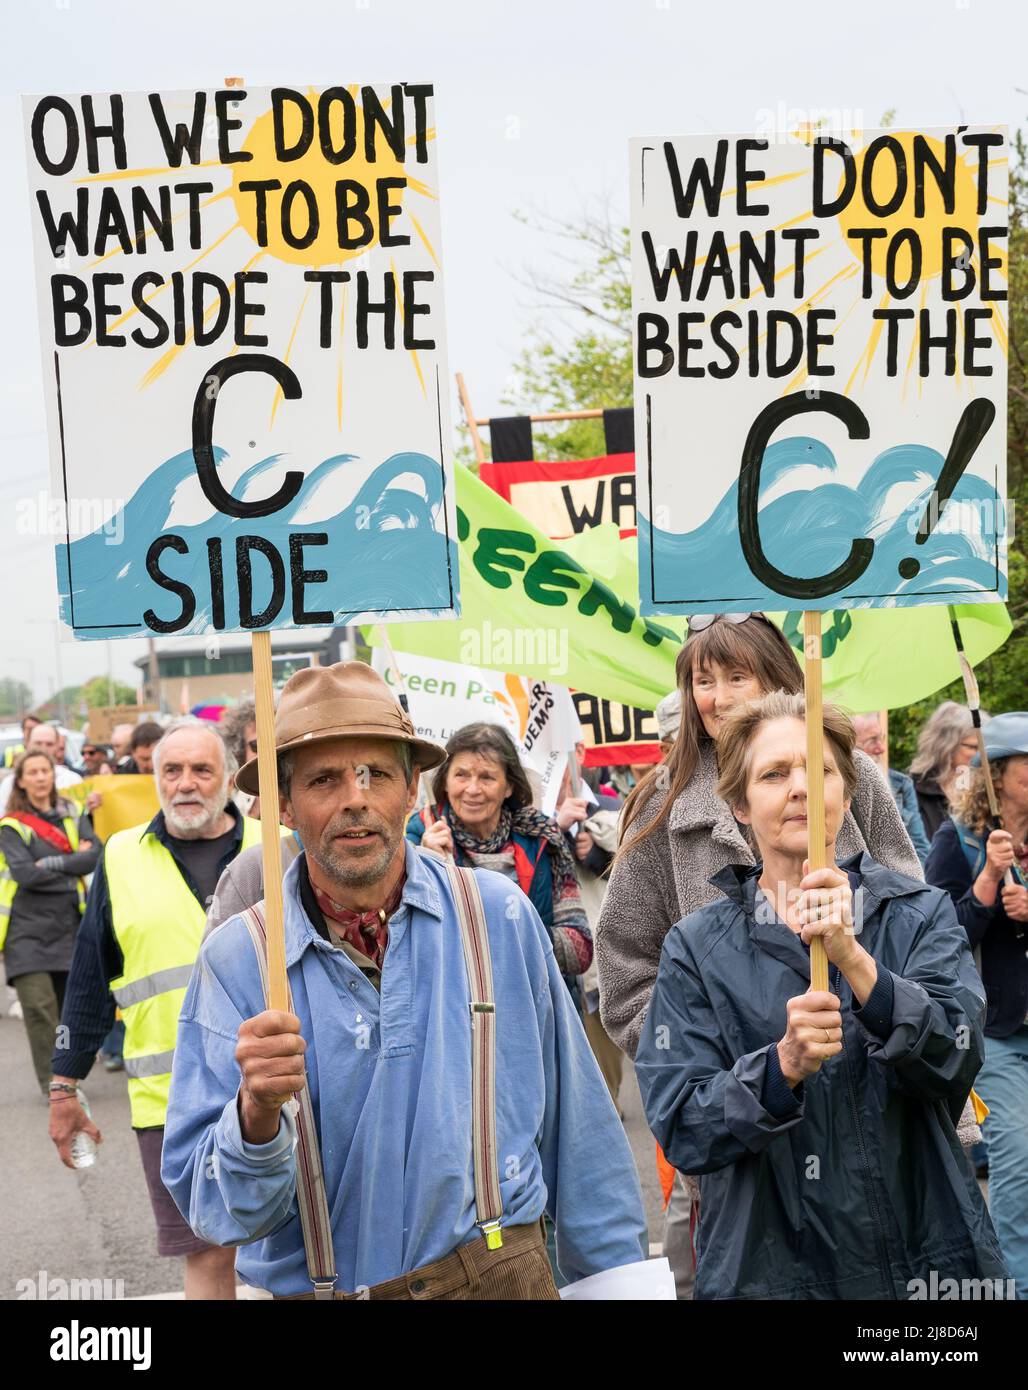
(8, 887)
(10, 754)
(158, 924)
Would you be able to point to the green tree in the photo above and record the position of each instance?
(15, 699)
(589, 368)
(98, 691)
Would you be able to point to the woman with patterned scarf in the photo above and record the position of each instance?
(483, 816)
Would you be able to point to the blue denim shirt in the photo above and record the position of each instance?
(905, 797)
(390, 1079)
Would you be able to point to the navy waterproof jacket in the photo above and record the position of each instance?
(854, 1184)
(1001, 940)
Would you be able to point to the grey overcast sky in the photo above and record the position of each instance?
(535, 103)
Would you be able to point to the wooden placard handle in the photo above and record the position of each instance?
(967, 675)
(815, 776)
(271, 839)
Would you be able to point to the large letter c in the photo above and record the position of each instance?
(203, 433)
(761, 431)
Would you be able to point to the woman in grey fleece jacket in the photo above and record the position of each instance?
(662, 874)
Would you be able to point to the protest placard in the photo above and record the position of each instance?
(444, 696)
(125, 800)
(820, 350)
(244, 354)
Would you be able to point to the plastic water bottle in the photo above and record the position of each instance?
(83, 1146)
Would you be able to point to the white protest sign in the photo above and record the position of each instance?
(244, 354)
(821, 330)
(444, 696)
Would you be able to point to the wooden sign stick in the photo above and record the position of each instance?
(974, 704)
(271, 839)
(815, 776)
(267, 786)
(469, 419)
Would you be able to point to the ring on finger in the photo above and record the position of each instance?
(828, 1036)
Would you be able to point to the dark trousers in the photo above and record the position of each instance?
(41, 995)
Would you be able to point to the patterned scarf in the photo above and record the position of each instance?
(569, 926)
(366, 932)
(527, 821)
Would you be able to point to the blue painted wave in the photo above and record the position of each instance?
(385, 553)
(807, 532)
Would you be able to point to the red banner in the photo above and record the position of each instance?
(563, 499)
(569, 496)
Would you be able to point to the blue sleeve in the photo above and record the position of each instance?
(415, 828)
(932, 1037)
(948, 868)
(593, 1193)
(705, 1107)
(911, 813)
(230, 1192)
(876, 1011)
(88, 1012)
(778, 1096)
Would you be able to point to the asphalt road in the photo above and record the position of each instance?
(96, 1223)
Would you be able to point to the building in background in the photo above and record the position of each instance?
(206, 671)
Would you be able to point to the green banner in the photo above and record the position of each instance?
(568, 612)
(884, 658)
(563, 611)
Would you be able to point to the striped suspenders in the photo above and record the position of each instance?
(312, 1201)
(475, 938)
(310, 1180)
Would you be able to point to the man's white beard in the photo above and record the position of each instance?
(196, 823)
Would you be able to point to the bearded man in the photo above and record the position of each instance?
(135, 950)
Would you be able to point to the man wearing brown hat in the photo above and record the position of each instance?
(446, 1093)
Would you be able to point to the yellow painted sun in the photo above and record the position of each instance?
(315, 170)
(844, 259)
(321, 176)
(934, 217)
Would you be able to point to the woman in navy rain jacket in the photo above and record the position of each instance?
(822, 1123)
(985, 871)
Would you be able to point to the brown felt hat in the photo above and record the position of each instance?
(348, 700)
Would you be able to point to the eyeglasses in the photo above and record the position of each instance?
(699, 622)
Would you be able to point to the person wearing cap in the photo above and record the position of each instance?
(412, 1182)
(985, 871)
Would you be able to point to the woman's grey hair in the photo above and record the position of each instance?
(190, 721)
(939, 740)
(233, 728)
(488, 741)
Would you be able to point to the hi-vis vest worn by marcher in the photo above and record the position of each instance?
(8, 887)
(158, 924)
